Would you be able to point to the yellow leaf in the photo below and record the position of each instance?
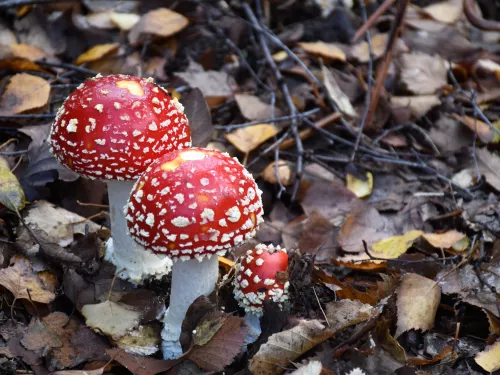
(161, 22)
(393, 247)
(280, 56)
(11, 193)
(444, 240)
(124, 21)
(327, 51)
(24, 92)
(489, 359)
(97, 52)
(249, 138)
(28, 52)
(359, 187)
(283, 172)
(461, 245)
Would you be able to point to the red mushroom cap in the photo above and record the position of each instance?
(194, 202)
(113, 127)
(256, 278)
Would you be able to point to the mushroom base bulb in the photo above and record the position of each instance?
(126, 254)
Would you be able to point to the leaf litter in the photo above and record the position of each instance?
(384, 192)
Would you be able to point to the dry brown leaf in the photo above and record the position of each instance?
(418, 105)
(249, 138)
(344, 313)
(286, 346)
(161, 22)
(445, 11)
(484, 132)
(254, 109)
(395, 246)
(278, 170)
(488, 163)
(361, 261)
(28, 52)
(140, 365)
(489, 359)
(361, 51)
(336, 94)
(417, 303)
(11, 193)
(444, 240)
(422, 73)
(24, 92)
(97, 52)
(20, 278)
(328, 51)
(221, 343)
(124, 21)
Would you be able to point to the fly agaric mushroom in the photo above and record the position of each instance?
(191, 205)
(260, 276)
(111, 128)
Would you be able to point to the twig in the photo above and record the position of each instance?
(321, 308)
(67, 66)
(373, 18)
(17, 3)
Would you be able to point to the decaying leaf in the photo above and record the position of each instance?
(145, 340)
(286, 346)
(278, 171)
(444, 240)
(161, 22)
(249, 138)
(362, 188)
(344, 313)
(417, 303)
(11, 193)
(24, 283)
(221, 339)
(25, 92)
(97, 52)
(489, 359)
(361, 51)
(418, 105)
(327, 51)
(140, 365)
(423, 74)
(393, 247)
(336, 94)
(484, 132)
(488, 163)
(254, 109)
(113, 319)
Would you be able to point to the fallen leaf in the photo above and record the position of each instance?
(327, 51)
(485, 133)
(113, 319)
(361, 51)
(97, 52)
(11, 193)
(361, 188)
(444, 240)
(140, 365)
(278, 171)
(124, 21)
(417, 303)
(145, 340)
(27, 51)
(254, 109)
(161, 22)
(207, 329)
(393, 247)
(344, 313)
(336, 94)
(489, 359)
(418, 105)
(100, 20)
(445, 11)
(488, 163)
(312, 368)
(200, 120)
(281, 348)
(24, 93)
(19, 278)
(220, 343)
(422, 73)
(250, 137)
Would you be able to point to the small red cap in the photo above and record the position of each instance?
(256, 278)
(113, 127)
(194, 202)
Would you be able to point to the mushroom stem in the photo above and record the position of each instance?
(121, 249)
(253, 323)
(190, 279)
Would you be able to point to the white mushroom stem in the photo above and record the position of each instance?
(121, 249)
(253, 323)
(190, 279)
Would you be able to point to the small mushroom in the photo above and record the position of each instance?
(260, 276)
(111, 128)
(191, 205)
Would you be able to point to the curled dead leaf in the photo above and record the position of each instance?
(25, 92)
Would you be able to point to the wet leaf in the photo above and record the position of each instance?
(97, 52)
(489, 359)
(11, 193)
(327, 51)
(19, 278)
(336, 94)
(417, 302)
(24, 93)
(113, 319)
(161, 22)
(254, 109)
(393, 247)
(286, 346)
(362, 188)
(444, 240)
(249, 138)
